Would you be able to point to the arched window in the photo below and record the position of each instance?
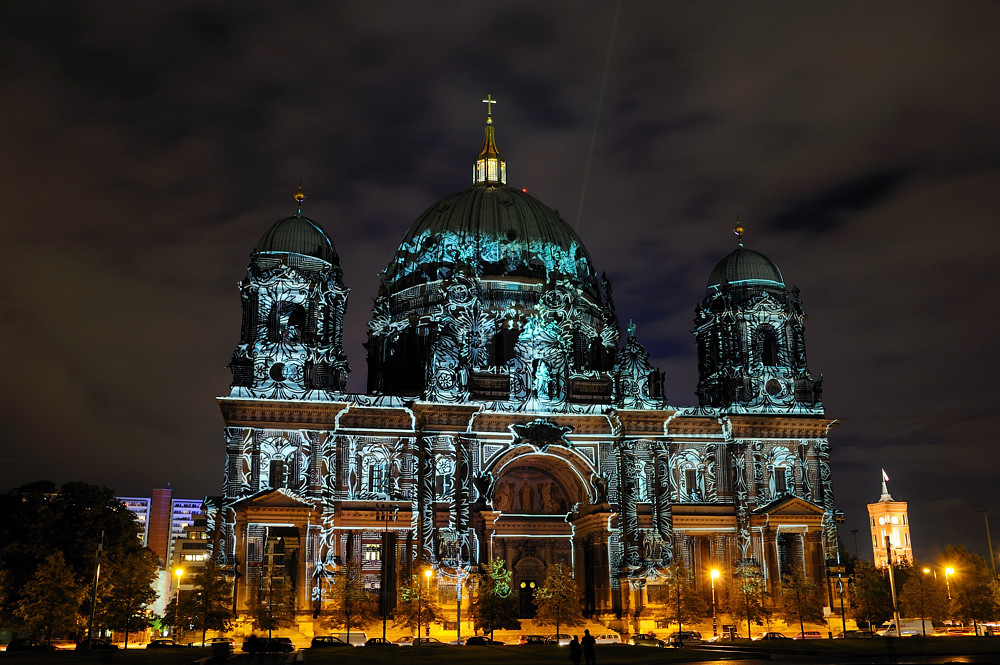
(690, 480)
(768, 346)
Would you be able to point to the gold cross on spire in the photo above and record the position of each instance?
(489, 101)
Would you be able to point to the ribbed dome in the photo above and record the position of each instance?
(745, 265)
(298, 235)
(490, 231)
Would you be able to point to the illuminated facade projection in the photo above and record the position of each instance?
(507, 415)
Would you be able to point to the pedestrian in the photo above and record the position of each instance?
(575, 651)
(588, 647)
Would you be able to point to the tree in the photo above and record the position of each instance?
(352, 606)
(495, 608)
(750, 601)
(126, 590)
(559, 600)
(800, 600)
(417, 605)
(210, 606)
(681, 602)
(871, 599)
(922, 595)
(272, 605)
(974, 590)
(50, 601)
(41, 518)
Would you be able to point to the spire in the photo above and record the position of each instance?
(490, 167)
(885, 490)
(738, 229)
(299, 197)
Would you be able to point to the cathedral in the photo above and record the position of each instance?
(508, 415)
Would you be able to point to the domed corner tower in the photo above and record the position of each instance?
(751, 339)
(492, 297)
(291, 342)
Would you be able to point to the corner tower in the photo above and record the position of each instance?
(291, 340)
(751, 339)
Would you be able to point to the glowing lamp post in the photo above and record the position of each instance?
(948, 572)
(177, 600)
(715, 625)
(420, 602)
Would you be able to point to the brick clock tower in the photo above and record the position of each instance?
(888, 519)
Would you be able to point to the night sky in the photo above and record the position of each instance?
(145, 148)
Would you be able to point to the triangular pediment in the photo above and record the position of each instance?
(274, 498)
(790, 506)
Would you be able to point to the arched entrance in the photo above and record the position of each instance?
(529, 574)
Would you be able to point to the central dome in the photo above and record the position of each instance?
(491, 230)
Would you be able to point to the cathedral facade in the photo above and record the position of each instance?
(508, 416)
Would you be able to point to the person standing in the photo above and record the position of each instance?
(575, 651)
(588, 647)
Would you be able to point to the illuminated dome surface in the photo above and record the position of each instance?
(490, 231)
(745, 265)
(298, 235)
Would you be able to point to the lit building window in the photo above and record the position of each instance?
(373, 552)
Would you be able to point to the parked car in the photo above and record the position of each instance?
(685, 637)
(770, 636)
(856, 635)
(28, 644)
(531, 639)
(808, 635)
(96, 644)
(610, 638)
(562, 639)
(163, 643)
(428, 642)
(327, 641)
(644, 640)
(216, 642)
(404, 641)
(482, 641)
(255, 644)
(380, 642)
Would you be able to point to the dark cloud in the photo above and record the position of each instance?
(146, 149)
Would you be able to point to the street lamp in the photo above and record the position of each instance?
(420, 601)
(177, 601)
(715, 625)
(948, 572)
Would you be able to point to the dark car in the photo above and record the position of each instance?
(532, 639)
(771, 636)
(689, 636)
(255, 644)
(380, 642)
(96, 644)
(428, 642)
(327, 641)
(164, 643)
(856, 635)
(482, 641)
(28, 644)
(645, 640)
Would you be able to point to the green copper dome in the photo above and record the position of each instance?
(298, 235)
(487, 231)
(745, 265)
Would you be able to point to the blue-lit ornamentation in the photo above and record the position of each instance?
(504, 417)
